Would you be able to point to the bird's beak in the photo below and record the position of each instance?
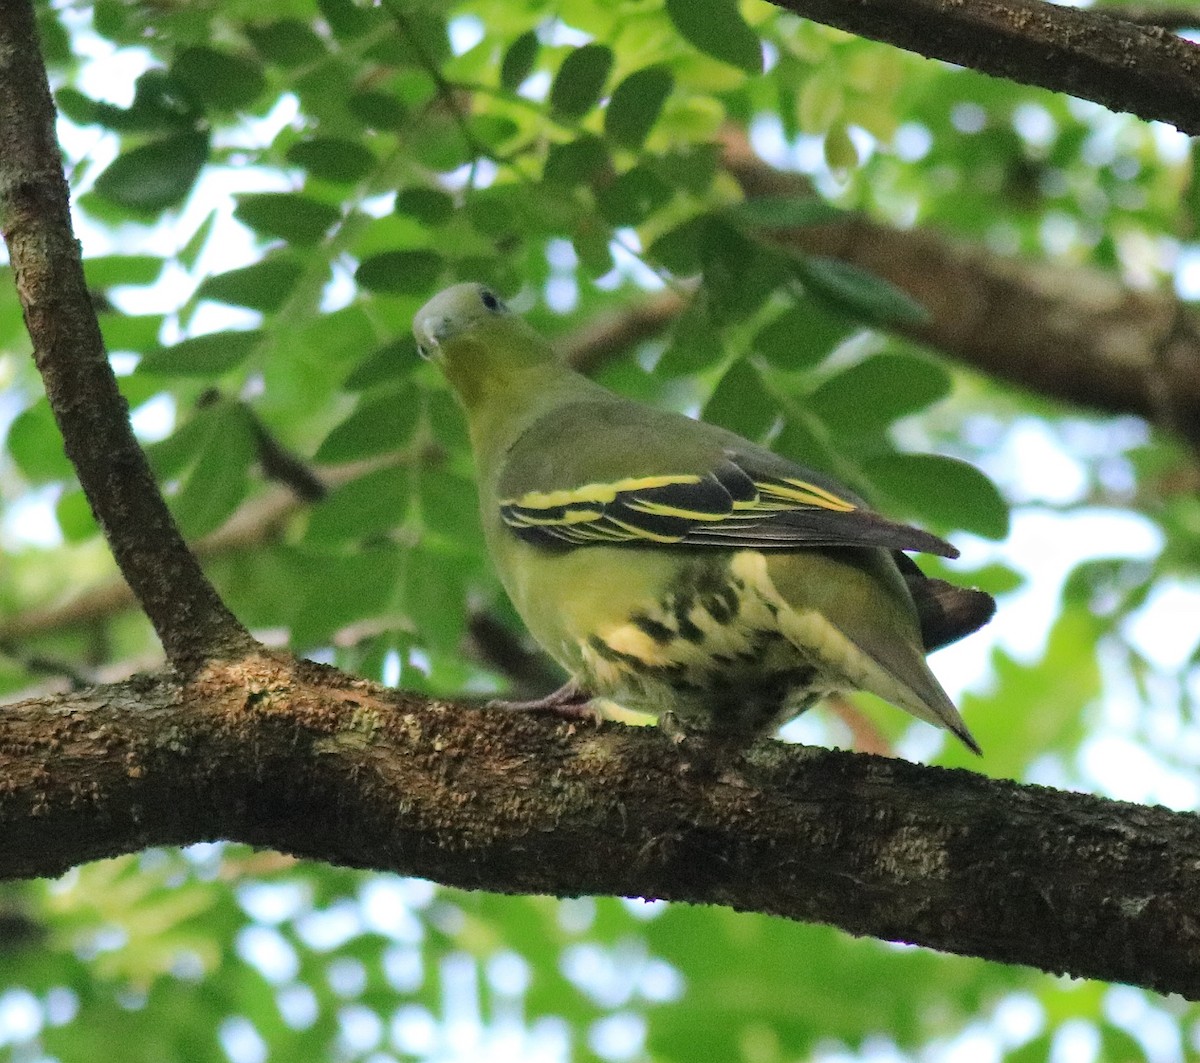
(429, 336)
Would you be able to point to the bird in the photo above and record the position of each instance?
(674, 567)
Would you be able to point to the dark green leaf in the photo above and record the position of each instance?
(219, 480)
(37, 447)
(717, 28)
(347, 19)
(678, 249)
(400, 272)
(112, 271)
(377, 426)
(739, 274)
(518, 60)
(741, 403)
(378, 110)
(695, 343)
(333, 159)
(575, 162)
(784, 212)
(854, 290)
(287, 41)
(636, 104)
(869, 396)
(156, 175)
(202, 356)
(944, 491)
(224, 81)
(580, 81)
(633, 197)
(431, 206)
(264, 286)
(291, 216)
(802, 335)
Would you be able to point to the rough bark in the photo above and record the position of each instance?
(1091, 54)
(305, 760)
(189, 618)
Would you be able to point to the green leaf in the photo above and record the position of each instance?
(636, 104)
(190, 252)
(518, 60)
(430, 206)
(170, 457)
(333, 158)
(387, 363)
(264, 286)
(374, 503)
(287, 41)
(156, 175)
(741, 403)
(202, 356)
(575, 162)
(400, 272)
(739, 274)
(376, 426)
(378, 110)
(784, 212)
(695, 343)
(291, 216)
(854, 290)
(36, 446)
(803, 335)
(112, 271)
(678, 249)
(219, 480)
(868, 396)
(717, 28)
(944, 491)
(222, 80)
(74, 516)
(580, 81)
(633, 197)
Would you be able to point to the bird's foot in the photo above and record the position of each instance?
(568, 702)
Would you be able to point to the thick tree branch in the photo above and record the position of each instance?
(1091, 54)
(295, 757)
(189, 618)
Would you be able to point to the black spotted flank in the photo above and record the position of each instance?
(654, 628)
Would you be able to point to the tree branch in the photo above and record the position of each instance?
(1067, 332)
(1091, 54)
(296, 757)
(189, 618)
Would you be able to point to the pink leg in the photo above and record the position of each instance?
(568, 702)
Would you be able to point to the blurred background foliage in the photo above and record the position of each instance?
(265, 192)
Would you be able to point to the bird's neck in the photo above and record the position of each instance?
(501, 407)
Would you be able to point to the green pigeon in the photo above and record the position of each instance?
(675, 567)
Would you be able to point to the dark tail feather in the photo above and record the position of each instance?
(946, 613)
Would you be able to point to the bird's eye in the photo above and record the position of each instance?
(490, 300)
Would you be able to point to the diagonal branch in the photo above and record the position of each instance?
(1091, 54)
(285, 755)
(191, 621)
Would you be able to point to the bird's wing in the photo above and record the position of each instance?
(708, 488)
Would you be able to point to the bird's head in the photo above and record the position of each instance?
(473, 337)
